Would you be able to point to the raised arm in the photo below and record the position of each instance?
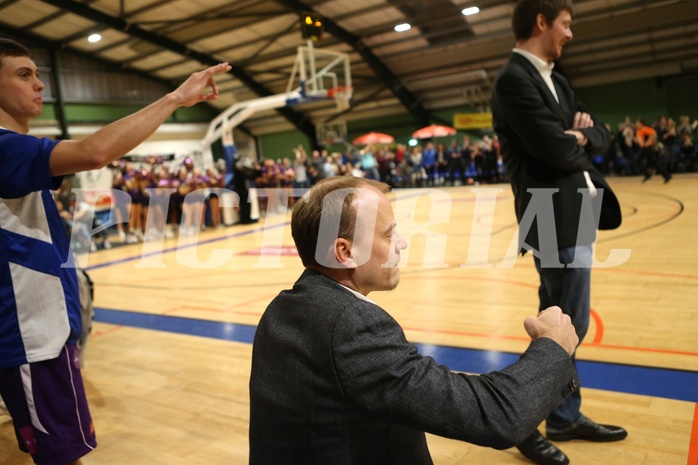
(118, 138)
(383, 374)
(300, 154)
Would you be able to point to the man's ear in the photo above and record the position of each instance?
(541, 22)
(342, 252)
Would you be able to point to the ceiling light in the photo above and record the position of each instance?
(94, 38)
(470, 11)
(403, 27)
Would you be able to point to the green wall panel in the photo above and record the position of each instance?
(48, 112)
(197, 113)
(613, 102)
(279, 145)
(80, 113)
(84, 113)
(682, 97)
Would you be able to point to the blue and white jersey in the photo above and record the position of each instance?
(39, 298)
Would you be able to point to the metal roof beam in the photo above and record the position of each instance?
(408, 100)
(299, 120)
(39, 42)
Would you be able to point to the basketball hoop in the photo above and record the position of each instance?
(340, 91)
(342, 96)
(317, 74)
(331, 133)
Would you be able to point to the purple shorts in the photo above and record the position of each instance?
(49, 409)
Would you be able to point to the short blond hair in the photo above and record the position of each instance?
(308, 211)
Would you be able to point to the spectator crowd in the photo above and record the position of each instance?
(673, 146)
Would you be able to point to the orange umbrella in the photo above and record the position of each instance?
(374, 138)
(434, 130)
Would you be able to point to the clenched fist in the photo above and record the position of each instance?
(553, 324)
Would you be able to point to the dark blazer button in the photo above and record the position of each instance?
(570, 388)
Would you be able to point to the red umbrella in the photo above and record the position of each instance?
(434, 130)
(374, 138)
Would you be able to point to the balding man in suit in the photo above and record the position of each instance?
(334, 380)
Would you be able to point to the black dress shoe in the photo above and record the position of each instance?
(541, 451)
(590, 431)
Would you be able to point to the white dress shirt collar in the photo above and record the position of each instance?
(357, 294)
(540, 64)
(544, 68)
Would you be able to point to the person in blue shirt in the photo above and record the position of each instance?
(429, 163)
(40, 319)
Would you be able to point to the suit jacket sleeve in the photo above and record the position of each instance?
(598, 137)
(384, 375)
(530, 112)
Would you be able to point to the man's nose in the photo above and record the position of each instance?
(400, 242)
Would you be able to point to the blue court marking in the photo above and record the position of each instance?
(631, 379)
(172, 324)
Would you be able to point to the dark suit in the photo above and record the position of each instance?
(544, 161)
(334, 381)
(530, 125)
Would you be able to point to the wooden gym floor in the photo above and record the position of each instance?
(168, 361)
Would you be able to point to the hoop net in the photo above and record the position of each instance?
(342, 96)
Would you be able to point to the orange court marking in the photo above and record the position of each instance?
(693, 444)
(106, 331)
(599, 327)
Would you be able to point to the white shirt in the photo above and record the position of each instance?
(544, 68)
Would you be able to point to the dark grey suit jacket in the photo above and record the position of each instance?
(334, 381)
(530, 125)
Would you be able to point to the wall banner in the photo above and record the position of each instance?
(472, 120)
